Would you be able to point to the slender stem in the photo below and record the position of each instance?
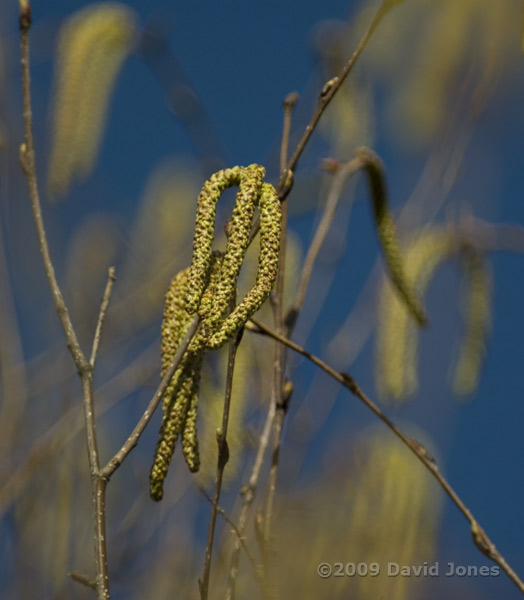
(327, 94)
(27, 160)
(329, 90)
(248, 495)
(133, 438)
(82, 578)
(480, 538)
(98, 484)
(102, 578)
(223, 457)
(321, 232)
(290, 102)
(278, 366)
(231, 523)
(102, 314)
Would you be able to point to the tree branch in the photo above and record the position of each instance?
(223, 457)
(102, 314)
(480, 538)
(133, 438)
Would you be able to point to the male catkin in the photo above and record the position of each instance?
(387, 233)
(92, 47)
(207, 288)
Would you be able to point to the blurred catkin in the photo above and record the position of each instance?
(397, 338)
(92, 47)
(476, 313)
(424, 50)
(388, 482)
(380, 507)
(387, 234)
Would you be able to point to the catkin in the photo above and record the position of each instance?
(269, 205)
(387, 482)
(476, 311)
(387, 234)
(207, 288)
(92, 47)
(247, 180)
(397, 338)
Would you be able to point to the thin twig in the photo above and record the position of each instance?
(84, 368)
(480, 538)
(133, 438)
(327, 93)
(240, 538)
(70, 424)
(223, 457)
(248, 495)
(290, 102)
(341, 176)
(102, 314)
(278, 368)
(82, 578)
(27, 161)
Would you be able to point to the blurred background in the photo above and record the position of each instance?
(438, 94)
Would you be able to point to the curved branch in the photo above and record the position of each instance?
(480, 538)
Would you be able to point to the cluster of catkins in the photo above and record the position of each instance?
(206, 289)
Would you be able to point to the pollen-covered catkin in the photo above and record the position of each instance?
(270, 217)
(247, 178)
(207, 288)
(176, 320)
(387, 234)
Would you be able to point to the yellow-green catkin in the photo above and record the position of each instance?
(397, 338)
(387, 234)
(207, 288)
(92, 47)
(179, 392)
(177, 403)
(476, 311)
(388, 482)
(270, 216)
(248, 180)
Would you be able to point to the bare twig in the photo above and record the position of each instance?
(480, 538)
(248, 495)
(132, 440)
(240, 538)
(70, 424)
(223, 457)
(290, 102)
(27, 161)
(328, 215)
(102, 314)
(278, 368)
(327, 93)
(84, 368)
(82, 578)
